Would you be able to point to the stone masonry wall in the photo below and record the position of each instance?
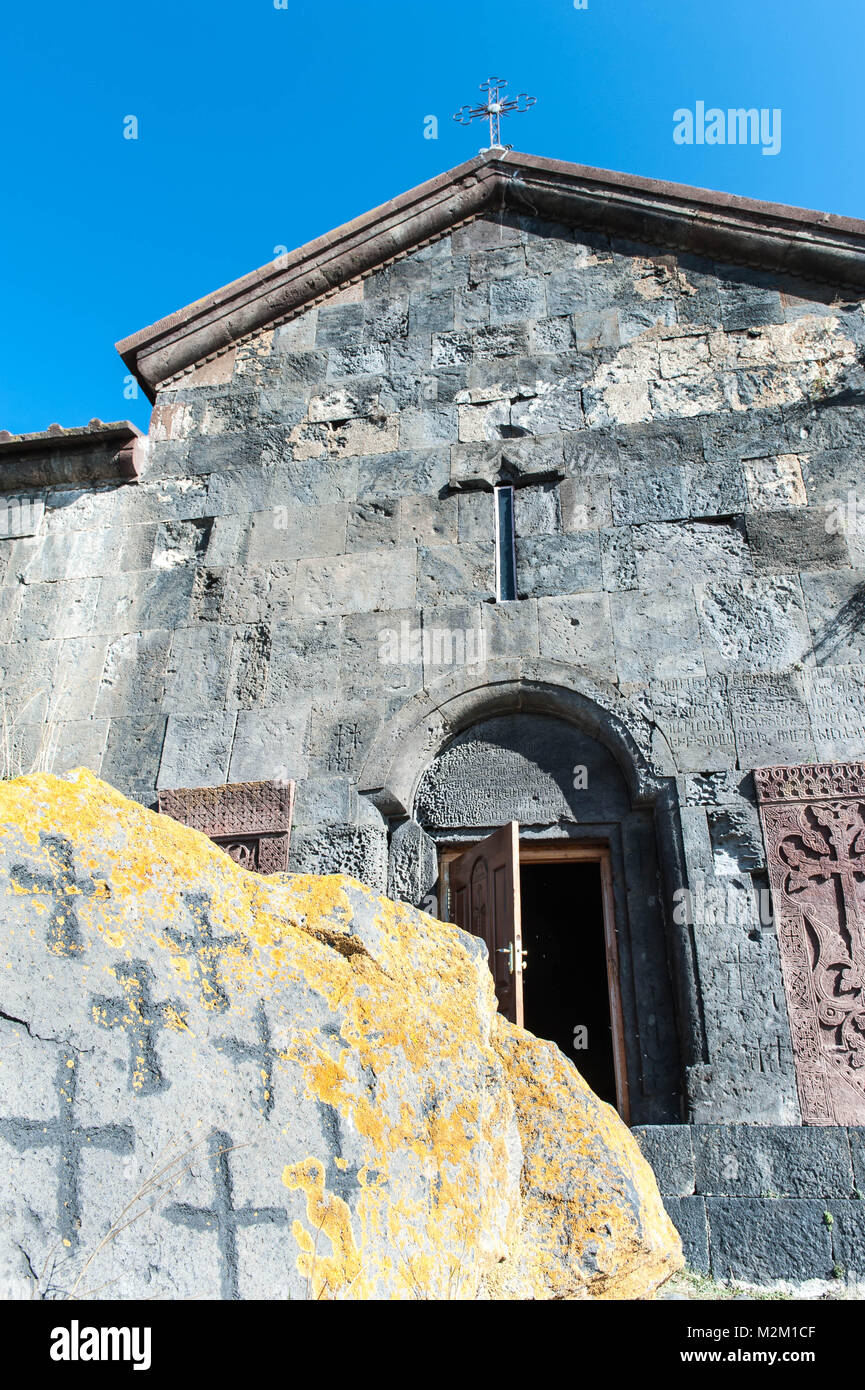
(685, 439)
(763, 1203)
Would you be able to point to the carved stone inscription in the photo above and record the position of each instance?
(251, 821)
(814, 826)
(531, 768)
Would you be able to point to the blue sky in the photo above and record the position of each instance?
(260, 128)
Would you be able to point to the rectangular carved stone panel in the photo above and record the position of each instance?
(814, 826)
(251, 821)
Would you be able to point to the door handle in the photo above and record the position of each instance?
(509, 952)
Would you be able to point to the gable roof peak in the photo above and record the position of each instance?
(771, 236)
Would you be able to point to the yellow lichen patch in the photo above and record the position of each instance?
(329, 1217)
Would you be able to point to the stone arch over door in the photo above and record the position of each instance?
(537, 719)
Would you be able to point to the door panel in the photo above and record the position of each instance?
(484, 889)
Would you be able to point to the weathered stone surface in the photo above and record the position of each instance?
(752, 625)
(762, 1241)
(589, 1197)
(670, 1151)
(688, 1215)
(212, 1087)
(527, 764)
(568, 564)
(760, 1161)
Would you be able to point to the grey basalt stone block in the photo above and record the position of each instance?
(402, 473)
(368, 581)
(197, 750)
(569, 564)
(290, 533)
(359, 851)
(132, 755)
(10, 604)
(577, 629)
(197, 671)
(657, 636)
(658, 494)
(847, 1233)
(427, 429)
(762, 1240)
(80, 743)
(339, 325)
(304, 655)
(511, 630)
(688, 1215)
(856, 1135)
(516, 299)
(60, 610)
(432, 520)
(772, 1161)
(446, 572)
(668, 1149)
(324, 799)
(799, 539)
(270, 744)
(144, 599)
(835, 604)
(755, 624)
(536, 511)
(731, 435)
(670, 554)
(373, 523)
(431, 312)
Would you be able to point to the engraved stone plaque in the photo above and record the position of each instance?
(530, 768)
(251, 821)
(836, 699)
(693, 716)
(814, 826)
(770, 719)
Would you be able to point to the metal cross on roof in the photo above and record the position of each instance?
(496, 106)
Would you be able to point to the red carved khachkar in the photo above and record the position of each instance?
(814, 827)
(250, 820)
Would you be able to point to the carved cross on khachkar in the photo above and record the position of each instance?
(260, 1051)
(224, 1216)
(139, 1014)
(814, 825)
(830, 848)
(495, 107)
(71, 1140)
(61, 882)
(205, 950)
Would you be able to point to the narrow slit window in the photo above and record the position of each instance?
(506, 559)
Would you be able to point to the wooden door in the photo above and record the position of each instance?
(484, 886)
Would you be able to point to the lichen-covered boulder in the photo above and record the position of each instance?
(218, 1085)
(592, 1222)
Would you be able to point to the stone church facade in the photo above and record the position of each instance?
(533, 496)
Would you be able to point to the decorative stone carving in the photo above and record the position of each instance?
(250, 820)
(814, 825)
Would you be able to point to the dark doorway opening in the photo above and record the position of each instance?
(566, 988)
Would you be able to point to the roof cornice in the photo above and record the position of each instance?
(94, 453)
(818, 246)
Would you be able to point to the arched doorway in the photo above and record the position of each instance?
(588, 896)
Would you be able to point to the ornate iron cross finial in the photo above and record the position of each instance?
(495, 107)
